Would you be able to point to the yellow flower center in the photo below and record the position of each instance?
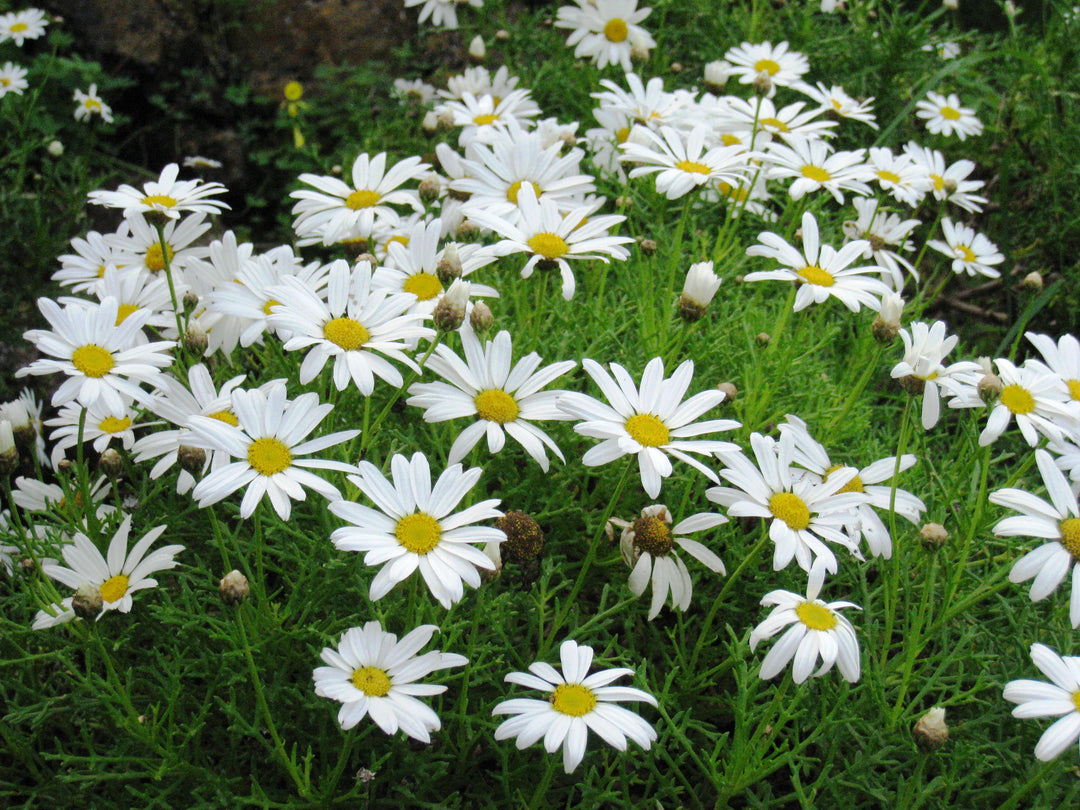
(776, 124)
(616, 30)
(1017, 399)
(854, 485)
(692, 166)
(228, 417)
(737, 193)
(1074, 388)
(816, 616)
(622, 134)
(889, 177)
(93, 104)
(767, 66)
(813, 274)
(110, 424)
(486, 118)
(101, 271)
(573, 699)
(155, 259)
(1070, 536)
(496, 405)
(123, 311)
(346, 333)
(362, 198)
(5, 81)
(727, 139)
(294, 91)
(93, 361)
(652, 535)
(153, 199)
(269, 456)
(512, 192)
(114, 588)
(372, 681)
(423, 285)
(816, 173)
(939, 182)
(18, 28)
(965, 253)
(790, 508)
(1076, 699)
(950, 113)
(268, 307)
(418, 533)
(647, 430)
(548, 245)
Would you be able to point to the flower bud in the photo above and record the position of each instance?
(481, 318)
(55, 148)
(468, 230)
(648, 246)
(233, 588)
(502, 34)
(676, 67)
(87, 602)
(887, 324)
(763, 84)
(430, 188)
(449, 313)
(930, 731)
(698, 290)
(477, 50)
(9, 453)
(195, 339)
(763, 339)
(933, 536)
(449, 266)
(730, 391)
(990, 388)
(716, 76)
(1032, 281)
(430, 123)
(192, 459)
(110, 463)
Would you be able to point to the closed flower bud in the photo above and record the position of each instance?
(429, 189)
(887, 323)
(1032, 281)
(55, 148)
(481, 318)
(716, 76)
(449, 266)
(110, 463)
(930, 731)
(87, 602)
(648, 246)
(9, 453)
(763, 83)
(449, 313)
(730, 391)
(676, 67)
(990, 388)
(763, 339)
(468, 230)
(192, 459)
(476, 48)
(233, 588)
(195, 340)
(502, 34)
(430, 124)
(933, 536)
(698, 290)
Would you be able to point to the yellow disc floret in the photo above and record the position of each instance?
(1017, 399)
(155, 259)
(362, 198)
(854, 485)
(548, 245)
(652, 535)
(692, 166)
(372, 681)
(114, 588)
(573, 699)
(616, 30)
(950, 113)
(110, 424)
(1070, 536)
(93, 361)
(424, 286)
(790, 508)
(418, 533)
(123, 311)
(346, 333)
(647, 430)
(152, 199)
(486, 118)
(767, 66)
(228, 417)
(813, 274)
(269, 456)
(816, 616)
(495, 405)
(816, 173)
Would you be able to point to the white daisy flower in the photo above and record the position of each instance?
(1033, 395)
(945, 116)
(479, 81)
(1062, 358)
(483, 117)
(372, 673)
(923, 372)
(835, 101)
(552, 239)
(650, 422)
(36, 496)
(176, 403)
(576, 702)
(606, 31)
(886, 235)
(84, 269)
(24, 414)
(899, 175)
(99, 356)
(165, 196)
(1058, 522)
(87, 105)
(683, 160)
(12, 79)
(268, 444)
(415, 527)
(102, 426)
(503, 398)
(358, 325)
(819, 270)
(19, 26)
(801, 512)
(442, 13)
(118, 574)
(782, 67)
(971, 252)
(815, 629)
(645, 104)
(335, 207)
(736, 115)
(1059, 699)
(948, 182)
(141, 245)
(648, 547)
(134, 288)
(812, 166)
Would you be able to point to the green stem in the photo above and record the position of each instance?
(177, 309)
(892, 580)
